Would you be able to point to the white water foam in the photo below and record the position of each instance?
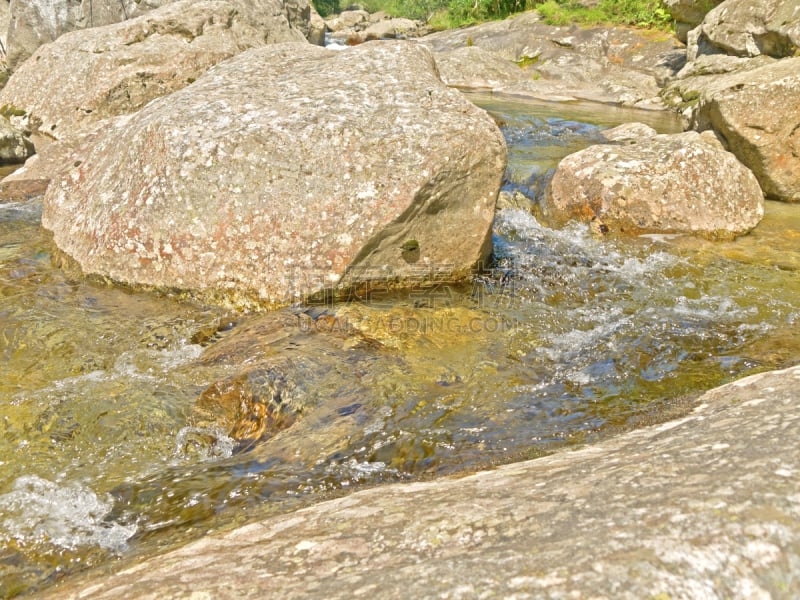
(355, 471)
(204, 443)
(66, 515)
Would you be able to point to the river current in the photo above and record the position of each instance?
(563, 339)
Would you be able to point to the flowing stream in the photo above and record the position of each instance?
(107, 449)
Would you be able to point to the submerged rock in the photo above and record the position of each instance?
(679, 183)
(250, 406)
(102, 72)
(688, 508)
(285, 171)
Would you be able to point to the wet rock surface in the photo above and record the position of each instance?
(704, 506)
(269, 180)
(276, 361)
(679, 183)
(102, 72)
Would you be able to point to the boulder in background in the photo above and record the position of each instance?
(748, 28)
(755, 108)
(107, 71)
(688, 14)
(678, 183)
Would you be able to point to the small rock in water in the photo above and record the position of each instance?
(249, 407)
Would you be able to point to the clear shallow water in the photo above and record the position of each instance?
(103, 451)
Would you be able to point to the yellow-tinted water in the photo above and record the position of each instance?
(565, 338)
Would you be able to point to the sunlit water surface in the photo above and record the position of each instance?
(565, 339)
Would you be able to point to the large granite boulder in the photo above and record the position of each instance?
(101, 72)
(706, 506)
(36, 22)
(748, 28)
(688, 14)
(755, 107)
(614, 65)
(284, 171)
(678, 183)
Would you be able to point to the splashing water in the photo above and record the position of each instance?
(67, 516)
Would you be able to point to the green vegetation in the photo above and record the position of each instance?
(326, 7)
(9, 110)
(447, 14)
(651, 14)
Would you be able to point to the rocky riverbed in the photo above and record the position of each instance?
(351, 184)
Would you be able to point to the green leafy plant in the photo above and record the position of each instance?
(448, 14)
(641, 13)
(326, 7)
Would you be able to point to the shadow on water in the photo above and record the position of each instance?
(148, 420)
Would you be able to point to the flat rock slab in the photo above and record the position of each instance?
(615, 65)
(284, 171)
(707, 506)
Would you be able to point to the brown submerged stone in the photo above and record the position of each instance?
(250, 406)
